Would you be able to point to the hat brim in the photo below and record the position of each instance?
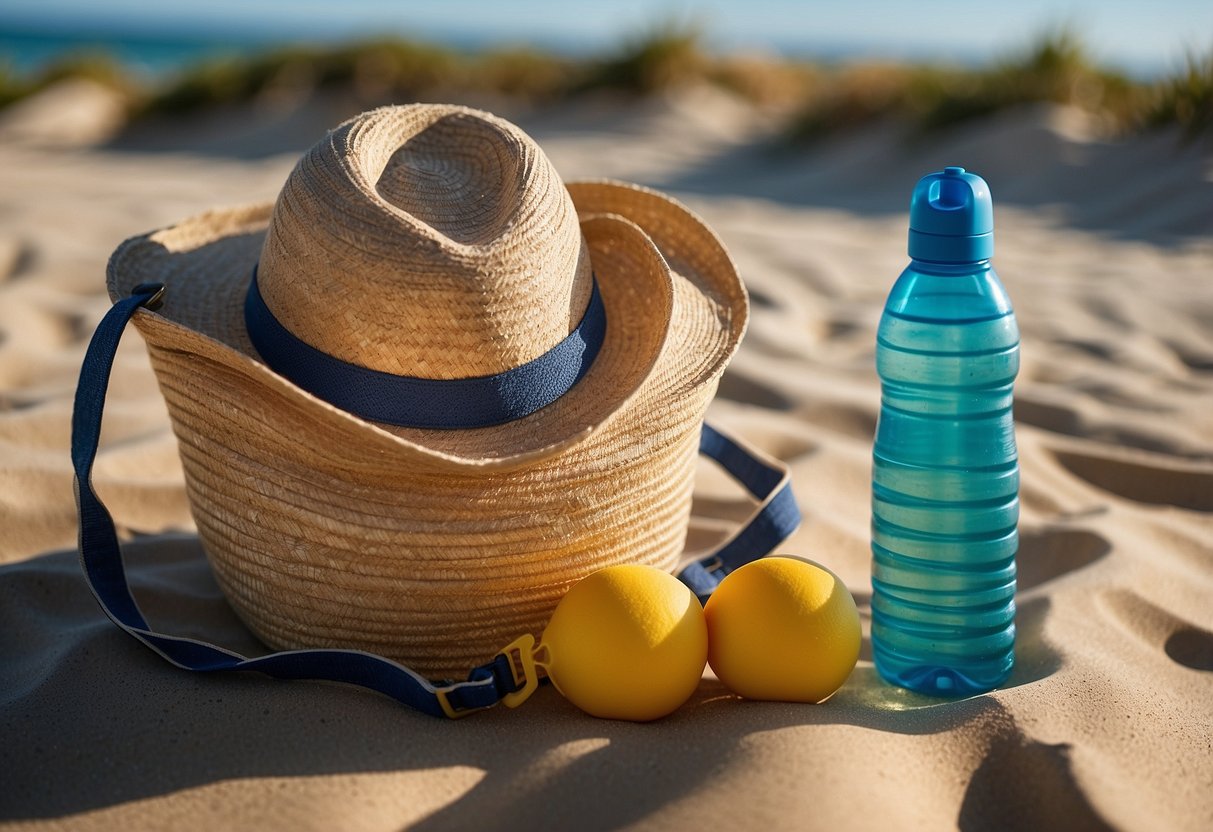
(675, 306)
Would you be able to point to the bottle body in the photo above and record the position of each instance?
(945, 482)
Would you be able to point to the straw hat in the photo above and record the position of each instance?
(434, 242)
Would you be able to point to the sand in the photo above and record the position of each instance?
(1106, 248)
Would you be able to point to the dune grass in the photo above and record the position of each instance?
(91, 65)
(13, 86)
(1184, 99)
(659, 57)
(655, 59)
(817, 101)
(371, 71)
(1054, 69)
(365, 68)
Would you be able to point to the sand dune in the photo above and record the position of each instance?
(1106, 248)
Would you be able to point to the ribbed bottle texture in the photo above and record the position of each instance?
(945, 482)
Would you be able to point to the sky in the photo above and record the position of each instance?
(1140, 35)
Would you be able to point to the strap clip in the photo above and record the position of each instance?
(521, 655)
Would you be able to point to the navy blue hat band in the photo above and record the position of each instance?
(423, 402)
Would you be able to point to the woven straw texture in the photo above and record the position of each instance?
(435, 242)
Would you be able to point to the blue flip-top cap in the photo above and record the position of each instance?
(951, 218)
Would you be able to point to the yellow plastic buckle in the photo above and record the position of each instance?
(521, 653)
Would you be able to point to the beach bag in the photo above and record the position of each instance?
(423, 394)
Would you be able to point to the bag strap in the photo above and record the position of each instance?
(769, 481)
(506, 678)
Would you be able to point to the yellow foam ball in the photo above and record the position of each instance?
(627, 642)
(782, 629)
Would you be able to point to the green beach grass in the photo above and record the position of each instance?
(1054, 69)
(816, 101)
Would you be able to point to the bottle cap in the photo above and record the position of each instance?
(951, 218)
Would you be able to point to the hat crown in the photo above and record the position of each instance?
(427, 241)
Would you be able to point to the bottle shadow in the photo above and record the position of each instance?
(1024, 784)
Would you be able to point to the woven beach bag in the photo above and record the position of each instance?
(325, 361)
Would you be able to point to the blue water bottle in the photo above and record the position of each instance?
(945, 472)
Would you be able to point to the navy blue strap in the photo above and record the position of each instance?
(778, 515)
(425, 402)
(101, 559)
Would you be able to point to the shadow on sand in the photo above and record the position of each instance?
(94, 719)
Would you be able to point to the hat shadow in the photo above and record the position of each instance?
(141, 728)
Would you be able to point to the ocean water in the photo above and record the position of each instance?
(29, 51)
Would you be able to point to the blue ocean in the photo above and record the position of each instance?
(28, 51)
(29, 47)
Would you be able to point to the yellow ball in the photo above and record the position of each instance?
(784, 629)
(627, 642)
